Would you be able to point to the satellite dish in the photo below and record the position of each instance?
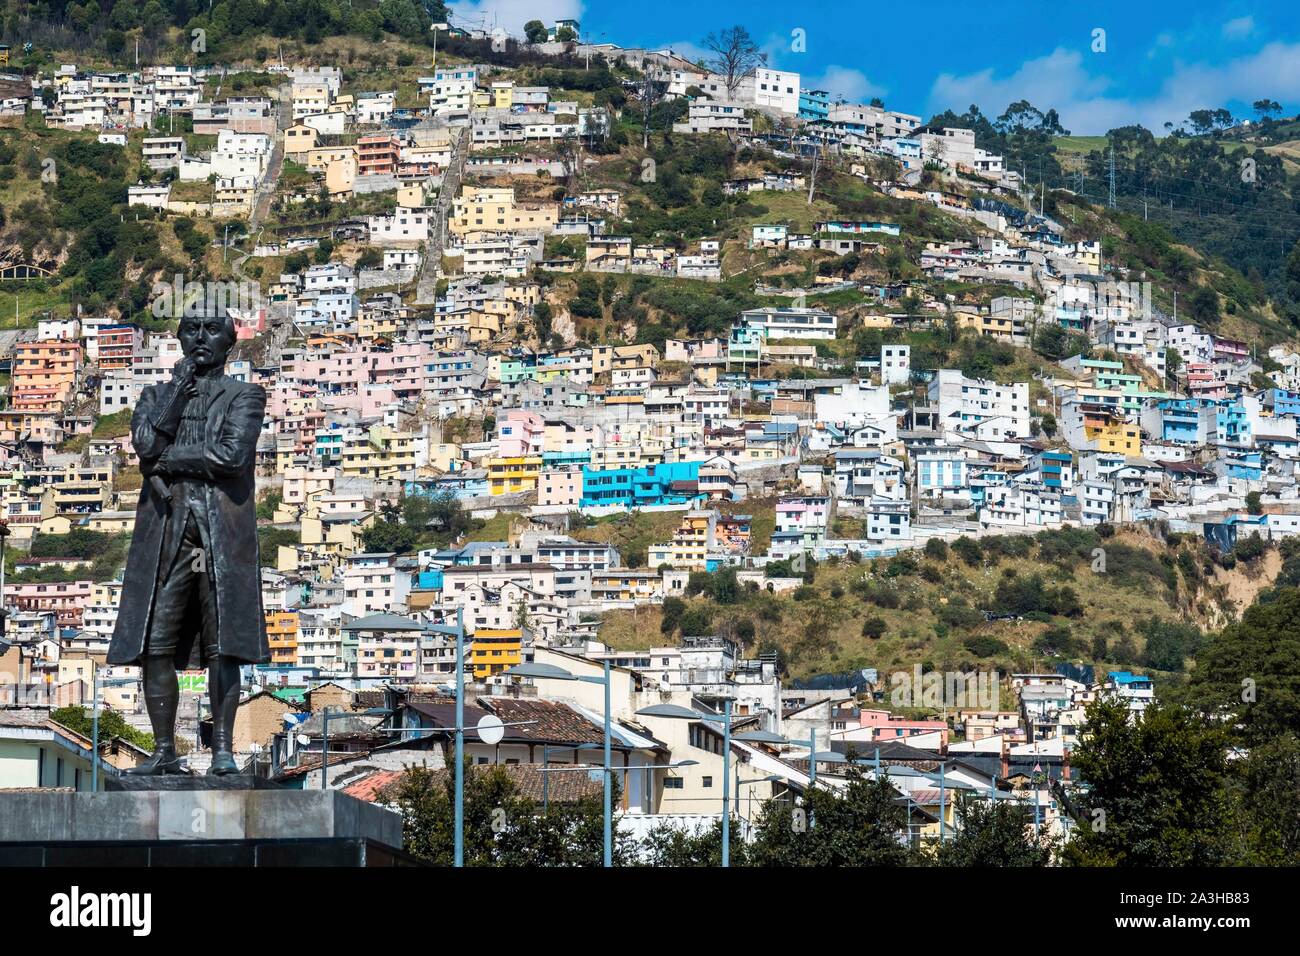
(490, 729)
(303, 740)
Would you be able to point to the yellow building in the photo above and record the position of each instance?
(299, 140)
(340, 175)
(691, 543)
(474, 325)
(503, 92)
(1119, 437)
(510, 475)
(445, 456)
(375, 325)
(492, 651)
(282, 636)
(997, 327)
(382, 452)
(625, 585)
(605, 358)
(319, 158)
(493, 209)
(619, 456)
(1106, 431)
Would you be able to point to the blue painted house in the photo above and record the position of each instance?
(814, 104)
(667, 483)
(1282, 401)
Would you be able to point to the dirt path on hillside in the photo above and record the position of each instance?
(1244, 582)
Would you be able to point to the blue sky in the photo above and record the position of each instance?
(1160, 60)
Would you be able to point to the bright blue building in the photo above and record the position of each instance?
(1234, 423)
(1283, 401)
(640, 487)
(1245, 464)
(1056, 469)
(814, 104)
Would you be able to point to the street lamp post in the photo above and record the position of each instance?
(676, 711)
(460, 737)
(554, 672)
(4, 613)
(770, 778)
(459, 633)
(942, 801)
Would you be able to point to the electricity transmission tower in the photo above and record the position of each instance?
(1110, 199)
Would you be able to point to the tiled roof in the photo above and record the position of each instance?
(368, 787)
(27, 717)
(442, 713)
(552, 722)
(565, 785)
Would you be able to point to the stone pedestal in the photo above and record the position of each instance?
(176, 782)
(231, 816)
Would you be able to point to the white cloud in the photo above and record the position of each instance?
(1162, 42)
(845, 81)
(1061, 80)
(1048, 82)
(1239, 28)
(511, 15)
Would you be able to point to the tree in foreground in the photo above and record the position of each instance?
(994, 833)
(502, 826)
(863, 824)
(1157, 789)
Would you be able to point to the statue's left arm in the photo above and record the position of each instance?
(229, 453)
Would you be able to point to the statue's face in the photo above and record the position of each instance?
(206, 340)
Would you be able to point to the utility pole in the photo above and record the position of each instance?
(812, 180)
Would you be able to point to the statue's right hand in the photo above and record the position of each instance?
(183, 375)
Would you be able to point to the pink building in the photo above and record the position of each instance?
(1203, 383)
(883, 725)
(1230, 350)
(249, 324)
(402, 368)
(560, 487)
(519, 433)
(66, 599)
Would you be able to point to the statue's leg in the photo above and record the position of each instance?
(223, 683)
(161, 697)
(161, 690)
(223, 691)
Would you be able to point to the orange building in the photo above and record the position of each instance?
(282, 636)
(44, 374)
(377, 154)
(492, 651)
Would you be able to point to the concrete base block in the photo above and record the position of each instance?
(225, 814)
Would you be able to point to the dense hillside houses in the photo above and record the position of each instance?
(511, 387)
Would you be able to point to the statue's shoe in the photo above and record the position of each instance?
(223, 763)
(162, 762)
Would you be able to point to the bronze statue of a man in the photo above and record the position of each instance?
(192, 594)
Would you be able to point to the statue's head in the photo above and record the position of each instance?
(207, 339)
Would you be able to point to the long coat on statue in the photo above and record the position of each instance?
(223, 467)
